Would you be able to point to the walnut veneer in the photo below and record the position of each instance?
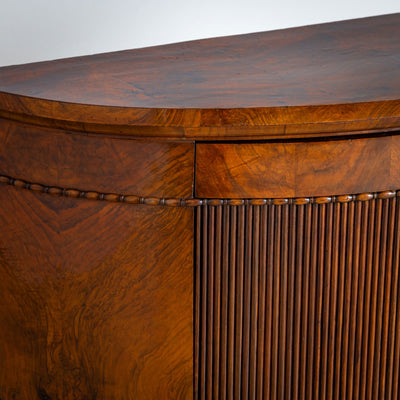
(217, 219)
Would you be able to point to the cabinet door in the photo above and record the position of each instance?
(96, 288)
(96, 299)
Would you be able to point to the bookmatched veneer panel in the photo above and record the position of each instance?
(96, 299)
(60, 158)
(297, 169)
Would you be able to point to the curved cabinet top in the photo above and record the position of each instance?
(328, 79)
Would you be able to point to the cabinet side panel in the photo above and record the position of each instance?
(96, 299)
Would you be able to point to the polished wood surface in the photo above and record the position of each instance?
(74, 160)
(290, 67)
(216, 219)
(321, 168)
(342, 76)
(96, 299)
(299, 301)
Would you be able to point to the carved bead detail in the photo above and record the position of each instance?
(191, 202)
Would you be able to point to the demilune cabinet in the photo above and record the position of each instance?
(216, 219)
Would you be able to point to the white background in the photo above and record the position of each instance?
(35, 30)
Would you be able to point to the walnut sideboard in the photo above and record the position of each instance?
(216, 219)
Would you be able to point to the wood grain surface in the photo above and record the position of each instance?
(298, 301)
(296, 169)
(90, 163)
(336, 77)
(265, 267)
(96, 299)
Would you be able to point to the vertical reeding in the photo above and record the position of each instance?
(204, 279)
(354, 298)
(347, 301)
(360, 300)
(394, 335)
(296, 301)
(224, 301)
(312, 302)
(373, 302)
(387, 294)
(217, 300)
(232, 309)
(269, 304)
(197, 299)
(239, 302)
(290, 300)
(305, 300)
(262, 302)
(333, 300)
(276, 298)
(283, 301)
(247, 303)
(381, 289)
(367, 299)
(320, 271)
(298, 270)
(396, 360)
(210, 300)
(254, 303)
(327, 264)
(340, 298)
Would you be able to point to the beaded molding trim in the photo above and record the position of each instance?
(92, 195)
(191, 202)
